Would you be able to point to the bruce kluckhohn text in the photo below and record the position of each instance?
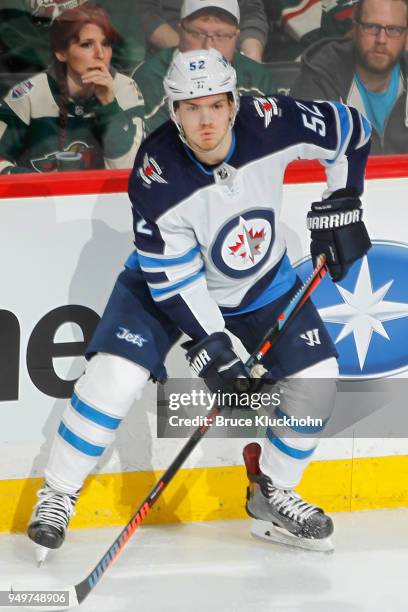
(258, 420)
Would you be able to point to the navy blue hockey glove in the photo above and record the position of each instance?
(214, 360)
(338, 231)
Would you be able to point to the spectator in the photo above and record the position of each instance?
(160, 22)
(204, 24)
(296, 24)
(80, 104)
(368, 72)
(24, 35)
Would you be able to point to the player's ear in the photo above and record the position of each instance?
(232, 110)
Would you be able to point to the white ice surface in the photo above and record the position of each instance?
(218, 567)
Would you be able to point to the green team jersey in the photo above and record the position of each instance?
(31, 136)
(252, 79)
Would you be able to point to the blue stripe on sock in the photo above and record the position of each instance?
(82, 445)
(94, 415)
(295, 453)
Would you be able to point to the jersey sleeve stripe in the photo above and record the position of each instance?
(132, 261)
(157, 293)
(367, 129)
(345, 128)
(155, 277)
(159, 262)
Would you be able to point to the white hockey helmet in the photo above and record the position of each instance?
(203, 72)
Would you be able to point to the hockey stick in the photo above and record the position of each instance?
(77, 593)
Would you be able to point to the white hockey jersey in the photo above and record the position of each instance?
(208, 239)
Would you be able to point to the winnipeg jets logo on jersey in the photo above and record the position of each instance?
(249, 242)
(243, 243)
(150, 171)
(267, 108)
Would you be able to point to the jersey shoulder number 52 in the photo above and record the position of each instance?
(312, 118)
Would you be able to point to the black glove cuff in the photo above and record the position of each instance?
(336, 204)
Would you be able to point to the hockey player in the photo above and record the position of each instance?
(206, 191)
(79, 105)
(206, 195)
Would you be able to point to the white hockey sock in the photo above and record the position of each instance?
(101, 400)
(285, 463)
(287, 452)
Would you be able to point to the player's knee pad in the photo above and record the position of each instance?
(111, 384)
(309, 396)
(328, 368)
(311, 392)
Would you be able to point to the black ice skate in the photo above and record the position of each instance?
(50, 519)
(281, 515)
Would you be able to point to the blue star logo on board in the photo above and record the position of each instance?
(367, 313)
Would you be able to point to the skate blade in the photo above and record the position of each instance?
(267, 531)
(41, 553)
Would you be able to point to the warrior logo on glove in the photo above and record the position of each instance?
(333, 220)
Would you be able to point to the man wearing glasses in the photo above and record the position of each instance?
(204, 24)
(368, 71)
